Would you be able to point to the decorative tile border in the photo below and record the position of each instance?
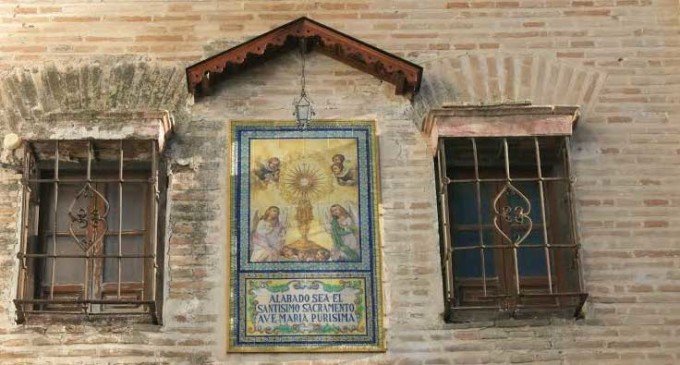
(305, 260)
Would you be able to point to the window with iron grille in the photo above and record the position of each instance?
(90, 241)
(509, 242)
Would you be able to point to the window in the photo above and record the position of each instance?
(90, 229)
(507, 223)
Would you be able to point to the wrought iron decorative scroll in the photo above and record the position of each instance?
(90, 221)
(512, 214)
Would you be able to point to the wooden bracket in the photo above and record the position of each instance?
(405, 75)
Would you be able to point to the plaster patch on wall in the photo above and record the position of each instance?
(78, 132)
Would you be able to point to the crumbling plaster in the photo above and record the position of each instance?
(33, 97)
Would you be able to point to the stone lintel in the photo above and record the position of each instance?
(138, 125)
(514, 120)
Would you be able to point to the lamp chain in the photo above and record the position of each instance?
(302, 75)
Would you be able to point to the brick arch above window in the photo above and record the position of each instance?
(499, 78)
(119, 84)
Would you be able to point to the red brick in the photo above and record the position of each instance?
(619, 119)
(465, 46)
(131, 19)
(49, 9)
(570, 54)
(76, 19)
(599, 12)
(633, 344)
(25, 10)
(457, 5)
(656, 224)
(159, 38)
(489, 45)
(656, 202)
(582, 44)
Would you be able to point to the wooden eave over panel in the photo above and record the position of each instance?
(405, 75)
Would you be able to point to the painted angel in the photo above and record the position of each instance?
(267, 235)
(341, 224)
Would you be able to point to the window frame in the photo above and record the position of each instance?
(99, 175)
(511, 299)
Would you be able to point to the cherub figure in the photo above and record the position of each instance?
(342, 171)
(321, 255)
(289, 254)
(268, 171)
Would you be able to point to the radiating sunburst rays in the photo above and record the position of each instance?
(304, 180)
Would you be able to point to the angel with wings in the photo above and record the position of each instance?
(341, 224)
(267, 235)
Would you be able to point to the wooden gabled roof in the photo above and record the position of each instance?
(405, 75)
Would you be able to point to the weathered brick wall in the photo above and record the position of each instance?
(619, 59)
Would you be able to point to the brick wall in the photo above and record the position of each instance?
(619, 59)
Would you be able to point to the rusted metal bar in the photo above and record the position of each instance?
(572, 212)
(84, 301)
(131, 232)
(478, 199)
(89, 161)
(506, 154)
(446, 228)
(95, 256)
(86, 273)
(541, 193)
(92, 180)
(506, 247)
(529, 179)
(54, 216)
(154, 216)
(120, 217)
(25, 211)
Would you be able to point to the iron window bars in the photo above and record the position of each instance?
(508, 226)
(90, 206)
